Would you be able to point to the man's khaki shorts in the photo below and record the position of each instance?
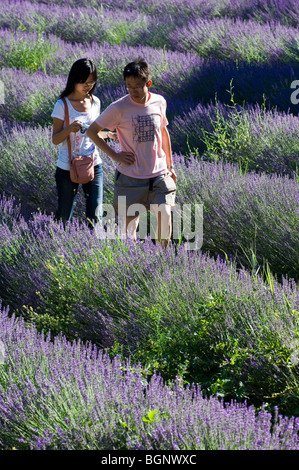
(158, 190)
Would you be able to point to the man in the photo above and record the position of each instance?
(144, 173)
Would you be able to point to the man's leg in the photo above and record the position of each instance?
(162, 199)
(163, 214)
(130, 195)
(131, 226)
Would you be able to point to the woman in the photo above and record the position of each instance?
(83, 108)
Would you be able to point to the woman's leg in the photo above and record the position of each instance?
(94, 196)
(67, 195)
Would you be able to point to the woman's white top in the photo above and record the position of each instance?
(81, 144)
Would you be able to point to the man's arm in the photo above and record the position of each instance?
(125, 158)
(166, 146)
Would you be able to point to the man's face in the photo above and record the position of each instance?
(137, 89)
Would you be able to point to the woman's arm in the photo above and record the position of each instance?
(60, 133)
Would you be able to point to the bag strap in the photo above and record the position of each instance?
(67, 121)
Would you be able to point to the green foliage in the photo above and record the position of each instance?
(29, 55)
(68, 285)
(118, 32)
(150, 417)
(225, 362)
(185, 341)
(55, 312)
(229, 137)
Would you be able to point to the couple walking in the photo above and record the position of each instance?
(144, 169)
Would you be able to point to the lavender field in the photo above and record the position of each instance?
(109, 344)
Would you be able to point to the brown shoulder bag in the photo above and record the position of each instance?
(81, 166)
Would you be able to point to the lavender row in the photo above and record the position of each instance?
(282, 11)
(255, 138)
(72, 396)
(217, 38)
(226, 329)
(242, 212)
(184, 79)
(245, 212)
(236, 39)
(82, 25)
(55, 56)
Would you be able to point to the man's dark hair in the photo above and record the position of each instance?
(139, 69)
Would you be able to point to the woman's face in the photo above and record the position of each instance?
(84, 88)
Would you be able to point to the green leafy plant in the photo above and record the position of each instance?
(230, 134)
(27, 53)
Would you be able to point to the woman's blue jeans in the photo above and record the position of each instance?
(67, 195)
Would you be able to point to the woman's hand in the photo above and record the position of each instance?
(112, 135)
(60, 133)
(76, 126)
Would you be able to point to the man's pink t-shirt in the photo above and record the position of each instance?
(138, 129)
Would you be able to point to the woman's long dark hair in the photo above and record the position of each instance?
(79, 73)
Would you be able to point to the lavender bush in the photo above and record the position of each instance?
(29, 97)
(28, 166)
(250, 213)
(244, 214)
(28, 151)
(267, 83)
(283, 11)
(235, 39)
(72, 396)
(82, 25)
(225, 317)
(256, 138)
(230, 331)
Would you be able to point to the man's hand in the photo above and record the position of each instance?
(125, 158)
(173, 174)
(95, 133)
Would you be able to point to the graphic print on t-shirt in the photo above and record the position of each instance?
(82, 144)
(144, 127)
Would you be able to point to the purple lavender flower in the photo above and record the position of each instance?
(61, 395)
